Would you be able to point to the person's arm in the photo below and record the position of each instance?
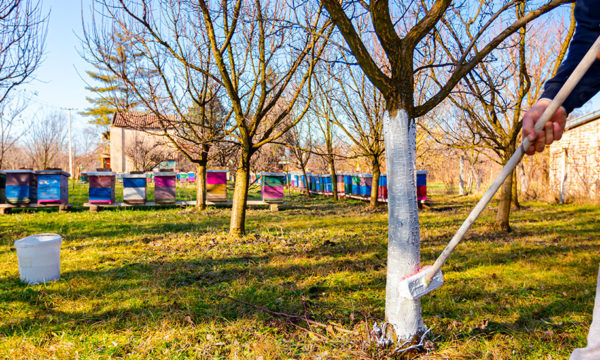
(587, 14)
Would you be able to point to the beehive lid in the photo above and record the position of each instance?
(99, 173)
(272, 174)
(133, 176)
(217, 170)
(38, 240)
(422, 172)
(21, 171)
(53, 172)
(165, 173)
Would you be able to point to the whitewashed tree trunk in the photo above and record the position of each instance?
(461, 175)
(404, 246)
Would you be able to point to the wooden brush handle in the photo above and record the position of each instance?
(558, 100)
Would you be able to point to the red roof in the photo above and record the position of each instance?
(136, 120)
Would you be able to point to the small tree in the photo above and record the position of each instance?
(146, 155)
(46, 141)
(364, 110)
(12, 126)
(299, 140)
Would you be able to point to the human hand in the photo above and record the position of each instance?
(552, 131)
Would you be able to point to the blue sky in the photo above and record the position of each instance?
(59, 81)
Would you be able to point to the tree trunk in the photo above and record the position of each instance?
(201, 185)
(503, 214)
(375, 184)
(515, 190)
(404, 253)
(237, 226)
(461, 176)
(333, 177)
(306, 182)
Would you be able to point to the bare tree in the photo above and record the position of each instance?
(323, 114)
(410, 35)
(22, 37)
(146, 155)
(12, 126)
(364, 110)
(46, 141)
(299, 139)
(495, 95)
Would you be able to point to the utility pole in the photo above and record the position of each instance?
(70, 144)
(70, 147)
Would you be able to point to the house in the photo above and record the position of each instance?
(574, 164)
(137, 143)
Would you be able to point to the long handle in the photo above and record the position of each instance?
(558, 100)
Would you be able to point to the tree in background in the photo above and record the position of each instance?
(409, 34)
(12, 126)
(324, 116)
(112, 94)
(299, 139)
(363, 107)
(46, 141)
(494, 97)
(23, 30)
(146, 155)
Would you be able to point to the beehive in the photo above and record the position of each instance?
(366, 181)
(21, 187)
(216, 185)
(355, 185)
(422, 185)
(102, 187)
(383, 191)
(340, 183)
(165, 183)
(347, 184)
(53, 187)
(134, 188)
(273, 185)
(2, 187)
(182, 177)
(191, 177)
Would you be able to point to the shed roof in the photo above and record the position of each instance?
(136, 120)
(582, 120)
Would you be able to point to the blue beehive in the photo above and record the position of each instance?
(21, 187)
(53, 187)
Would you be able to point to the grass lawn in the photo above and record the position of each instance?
(148, 283)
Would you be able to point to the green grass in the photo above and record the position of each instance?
(143, 283)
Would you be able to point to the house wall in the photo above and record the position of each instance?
(121, 139)
(574, 164)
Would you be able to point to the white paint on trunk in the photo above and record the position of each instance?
(404, 248)
(461, 177)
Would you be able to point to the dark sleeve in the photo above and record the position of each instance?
(587, 14)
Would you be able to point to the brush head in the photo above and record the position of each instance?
(414, 286)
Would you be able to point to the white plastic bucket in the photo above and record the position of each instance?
(39, 258)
